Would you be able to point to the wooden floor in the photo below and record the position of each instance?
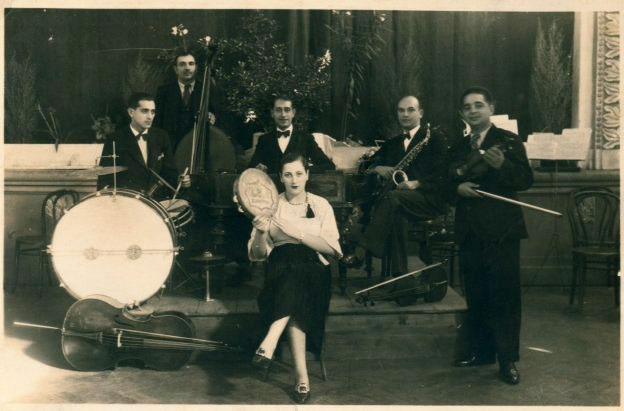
(567, 358)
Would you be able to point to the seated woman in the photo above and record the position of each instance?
(297, 286)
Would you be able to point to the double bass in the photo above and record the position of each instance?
(205, 148)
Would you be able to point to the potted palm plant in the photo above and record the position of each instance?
(551, 87)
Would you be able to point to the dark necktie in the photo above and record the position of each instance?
(186, 95)
(281, 133)
(140, 136)
(474, 141)
(407, 139)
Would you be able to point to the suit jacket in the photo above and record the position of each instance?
(138, 177)
(429, 167)
(268, 152)
(172, 115)
(488, 218)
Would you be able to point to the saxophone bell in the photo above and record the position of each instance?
(399, 174)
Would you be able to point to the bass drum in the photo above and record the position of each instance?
(122, 246)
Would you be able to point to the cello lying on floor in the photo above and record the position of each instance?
(97, 335)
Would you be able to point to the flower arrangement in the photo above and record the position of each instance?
(103, 127)
(53, 126)
(180, 36)
(256, 69)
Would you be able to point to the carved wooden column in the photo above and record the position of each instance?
(606, 144)
(596, 85)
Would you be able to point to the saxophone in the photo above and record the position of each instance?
(409, 157)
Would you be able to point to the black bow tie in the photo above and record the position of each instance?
(141, 136)
(283, 133)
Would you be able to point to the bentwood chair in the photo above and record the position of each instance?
(54, 206)
(594, 215)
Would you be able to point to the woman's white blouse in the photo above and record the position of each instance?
(322, 225)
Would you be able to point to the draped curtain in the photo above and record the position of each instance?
(82, 59)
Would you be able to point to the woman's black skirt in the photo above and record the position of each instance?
(298, 285)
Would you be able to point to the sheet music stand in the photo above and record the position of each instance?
(571, 145)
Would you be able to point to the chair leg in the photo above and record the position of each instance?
(42, 274)
(385, 266)
(582, 282)
(323, 369)
(321, 361)
(613, 268)
(451, 258)
(575, 269)
(617, 290)
(13, 285)
(369, 264)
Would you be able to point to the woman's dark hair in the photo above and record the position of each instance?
(291, 158)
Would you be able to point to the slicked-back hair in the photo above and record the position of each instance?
(283, 97)
(135, 98)
(487, 95)
(182, 53)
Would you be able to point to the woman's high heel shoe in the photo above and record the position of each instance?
(262, 362)
(301, 393)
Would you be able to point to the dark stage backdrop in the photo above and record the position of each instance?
(435, 54)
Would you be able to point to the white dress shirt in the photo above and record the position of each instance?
(191, 87)
(412, 133)
(283, 141)
(482, 135)
(142, 142)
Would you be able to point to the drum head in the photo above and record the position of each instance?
(256, 193)
(121, 247)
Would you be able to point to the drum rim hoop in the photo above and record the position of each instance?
(124, 192)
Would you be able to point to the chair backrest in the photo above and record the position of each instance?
(54, 206)
(594, 215)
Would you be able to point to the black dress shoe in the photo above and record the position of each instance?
(473, 361)
(509, 373)
(301, 394)
(262, 362)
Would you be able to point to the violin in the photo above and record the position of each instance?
(428, 282)
(475, 166)
(97, 335)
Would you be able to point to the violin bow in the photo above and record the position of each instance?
(519, 203)
(420, 270)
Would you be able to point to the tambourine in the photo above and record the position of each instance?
(255, 193)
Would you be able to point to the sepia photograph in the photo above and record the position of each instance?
(359, 204)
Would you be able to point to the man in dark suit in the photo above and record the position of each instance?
(418, 198)
(177, 103)
(488, 232)
(141, 148)
(273, 145)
